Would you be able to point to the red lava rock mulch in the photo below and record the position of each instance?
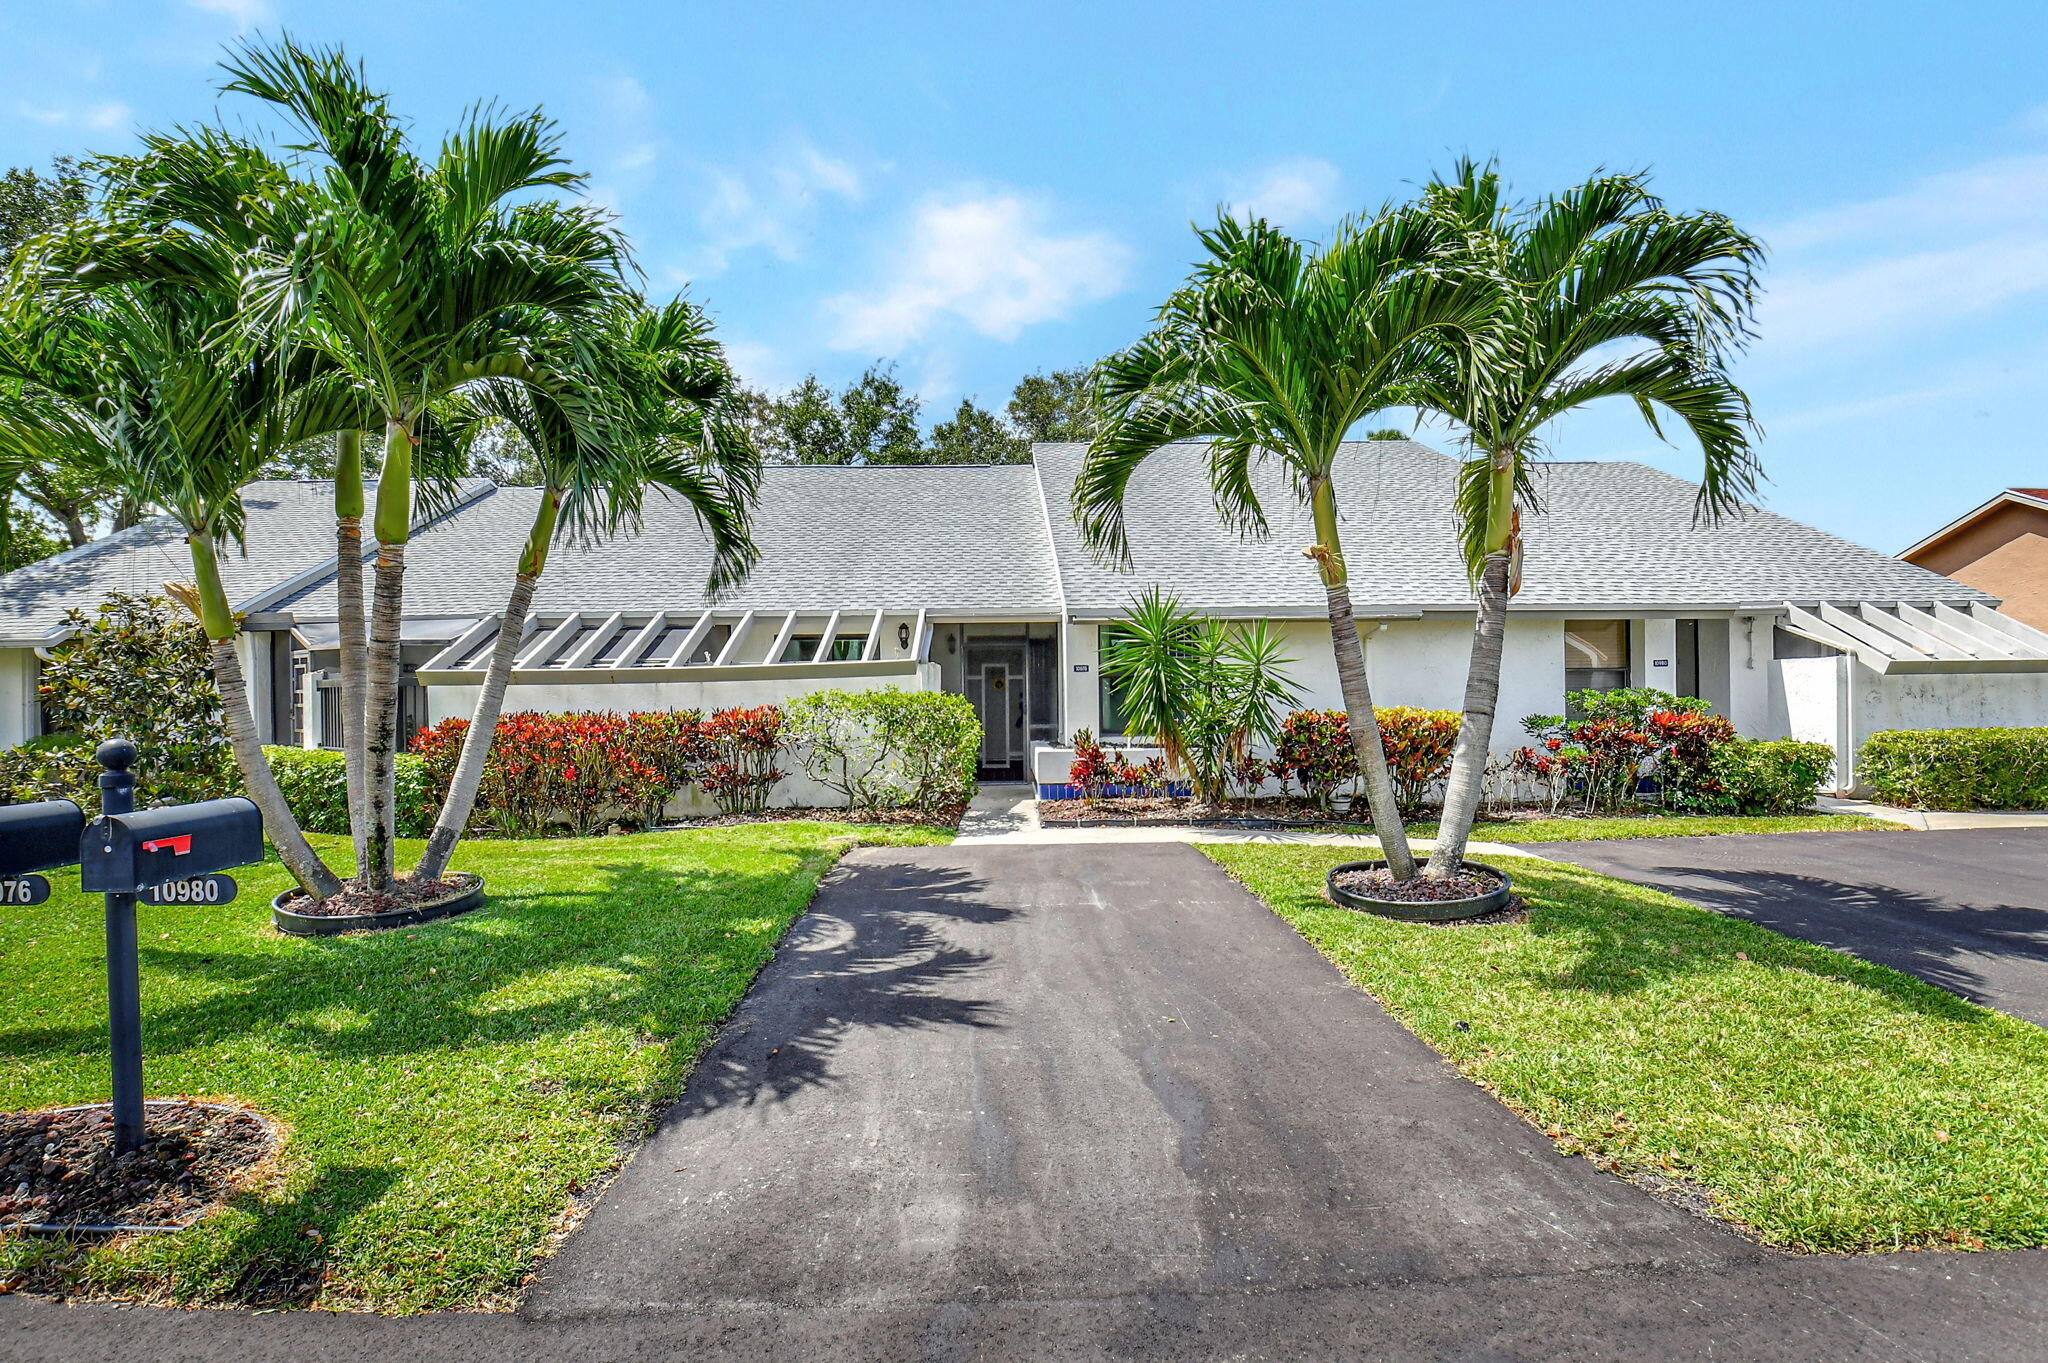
(1378, 884)
(943, 818)
(357, 899)
(58, 1168)
(1172, 810)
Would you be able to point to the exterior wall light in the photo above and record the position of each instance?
(903, 636)
(952, 643)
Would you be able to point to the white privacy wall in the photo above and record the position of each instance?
(1840, 701)
(459, 702)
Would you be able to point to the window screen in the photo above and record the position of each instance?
(1595, 655)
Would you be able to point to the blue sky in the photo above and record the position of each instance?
(974, 192)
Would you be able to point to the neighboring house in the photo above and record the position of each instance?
(974, 580)
(2000, 548)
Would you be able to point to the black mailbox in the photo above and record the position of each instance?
(39, 837)
(125, 853)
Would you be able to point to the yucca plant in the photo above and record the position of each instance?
(1202, 690)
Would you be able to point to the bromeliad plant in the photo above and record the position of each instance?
(1206, 692)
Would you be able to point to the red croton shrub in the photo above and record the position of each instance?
(740, 748)
(587, 770)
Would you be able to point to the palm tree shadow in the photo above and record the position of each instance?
(873, 952)
(1624, 942)
(1940, 940)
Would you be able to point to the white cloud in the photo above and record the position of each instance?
(1950, 245)
(771, 207)
(759, 366)
(246, 13)
(108, 116)
(991, 260)
(1301, 190)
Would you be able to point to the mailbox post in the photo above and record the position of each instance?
(122, 854)
(124, 971)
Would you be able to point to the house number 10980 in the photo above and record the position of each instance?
(192, 890)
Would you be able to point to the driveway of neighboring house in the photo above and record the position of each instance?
(1080, 1101)
(1966, 909)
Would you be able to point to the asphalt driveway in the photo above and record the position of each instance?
(1966, 909)
(1097, 1102)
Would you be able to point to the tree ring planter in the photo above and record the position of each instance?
(469, 895)
(248, 1162)
(1421, 911)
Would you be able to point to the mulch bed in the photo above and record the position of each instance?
(357, 899)
(1131, 809)
(1379, 884)
(949, 818)
(58, 1167)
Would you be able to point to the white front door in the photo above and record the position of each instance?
(998, 694)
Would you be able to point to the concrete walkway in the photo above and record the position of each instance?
(1007, 816)
(1929, 820)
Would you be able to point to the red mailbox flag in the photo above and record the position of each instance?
(180, 846)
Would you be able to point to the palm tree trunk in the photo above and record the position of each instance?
(1357, 690)
(483, 728)
(1475, 729)
(354, 640)
(285, 835)
(1482, 676)
(380, 693)
(490, 700)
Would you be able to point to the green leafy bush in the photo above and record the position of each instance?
(315, 785)
(1418, 744)
(134, 667)
(1957, 768)
(1768, 776)
(887, 748)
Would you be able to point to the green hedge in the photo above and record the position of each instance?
(1957, 768)
(1769, 775)
(315, 785)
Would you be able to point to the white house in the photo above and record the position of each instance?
(974, 580)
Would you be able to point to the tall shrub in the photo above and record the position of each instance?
(1418, 744)
(1957, 768)
(742, 746)
(134, 667)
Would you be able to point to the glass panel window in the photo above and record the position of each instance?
(1595, 655)
(801, 648)
(846, 648)
(1111, 694)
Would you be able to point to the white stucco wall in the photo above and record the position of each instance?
(459, 702)
(18, 709)
(1841, 701)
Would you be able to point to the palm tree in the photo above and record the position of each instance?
(161, 382)
(1599, 292)
(648, 402)
(1275, 351)
(417, 278)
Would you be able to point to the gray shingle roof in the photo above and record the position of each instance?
(290, 530)
(1610, 534)
(961, 540)
(974, 541)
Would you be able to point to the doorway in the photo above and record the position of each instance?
(997, 688)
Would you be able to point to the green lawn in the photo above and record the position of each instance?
(1668, 826)
(1589, 828)
(1825, 1103)
(449, 1089)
